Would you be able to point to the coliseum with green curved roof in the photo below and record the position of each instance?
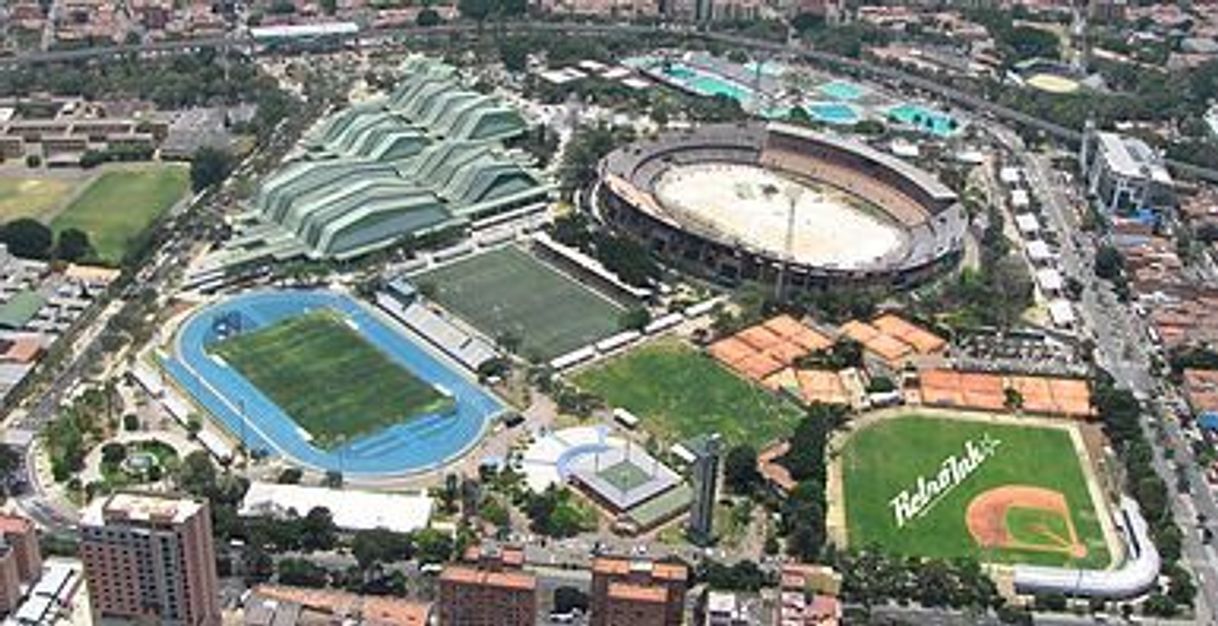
(428, 155)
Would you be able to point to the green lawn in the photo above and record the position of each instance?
(508, 291)
(328, 378)
(32, 197)
(678, 393)
(889, 456)
(121, 204)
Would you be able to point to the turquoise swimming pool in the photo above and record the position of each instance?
(707, 84)
(842, 90)
(833, 112)
(925, 119)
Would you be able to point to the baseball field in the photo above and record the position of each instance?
(944, 487)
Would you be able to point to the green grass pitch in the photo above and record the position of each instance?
(884, 458)
(120, 205)
(677, 393)
(625, 476)
(328, 378)
(508, 291)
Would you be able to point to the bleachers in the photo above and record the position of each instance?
(896, 203)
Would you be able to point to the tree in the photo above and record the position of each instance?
(1109, 264)
(131, 422)
(290, 476)
(197, 475)
(514, 53)
(302, 573)
(27, 238)
(73, 245)
(10, 460)
(569, 599)
(317, 530)
(370, 547)
(427, 17)
(209, 167)
(740, 473)
(329, 7)
(432, 546)
(634, 318)
(333, 479)
(114, 453)
(32, 161)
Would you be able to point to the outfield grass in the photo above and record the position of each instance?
(881, 460)
(678, 393)
(121, 204)
(510, 292)
(328, 378)
(32, 197)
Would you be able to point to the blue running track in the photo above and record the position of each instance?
(424, 443)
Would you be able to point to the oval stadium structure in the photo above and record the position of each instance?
(770, 202)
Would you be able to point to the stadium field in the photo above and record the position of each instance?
(678, 393)
(329, 379)
(998, 492)
(508, 292)
(117, 207)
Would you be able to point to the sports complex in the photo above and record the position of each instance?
(327, 383)
(770, 202)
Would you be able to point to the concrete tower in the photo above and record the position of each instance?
(704, 475)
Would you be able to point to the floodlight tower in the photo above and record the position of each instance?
(792, 193)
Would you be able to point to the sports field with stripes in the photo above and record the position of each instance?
(509, 292)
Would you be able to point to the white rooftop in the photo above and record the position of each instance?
(1019, 198)
(1009, 175)
(351, 510)
(1049, 279)
(1038, 250)
(1061, 312)
(139, 508)
(1130, 157)
(1027, 223)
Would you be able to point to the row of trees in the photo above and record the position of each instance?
(803, 512)
(627, 258)
(30, 239)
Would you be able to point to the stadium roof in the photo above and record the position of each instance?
(426, 156)
(351, 510)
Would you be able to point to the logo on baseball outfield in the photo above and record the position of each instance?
(917, 500)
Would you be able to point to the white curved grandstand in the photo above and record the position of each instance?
(718, 198)
(548, 459)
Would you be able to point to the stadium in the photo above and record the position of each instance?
(263, 364)
(775, 202)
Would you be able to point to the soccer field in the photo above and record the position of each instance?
(120, 205)
(330, 380)
(678, 393)
(509, 292)
(1026, 501)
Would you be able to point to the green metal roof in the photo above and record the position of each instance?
(20, 309)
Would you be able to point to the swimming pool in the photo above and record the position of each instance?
(925, 119)
(424, 443)
(842, 90)
(706, 83)
(833, 112)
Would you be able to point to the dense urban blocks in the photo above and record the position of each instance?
(120, 205)
(999, 492)
(678, 393)
(508, 292)
(334, 383)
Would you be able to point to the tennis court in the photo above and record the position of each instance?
(509, 292)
